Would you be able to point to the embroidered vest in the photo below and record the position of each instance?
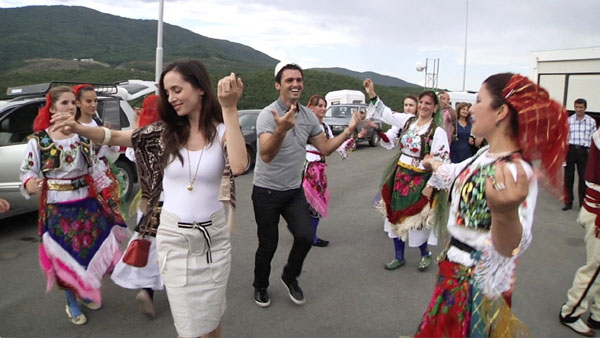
(51, 158)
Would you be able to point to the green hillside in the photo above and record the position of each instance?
(46, 43)
(377, 78)
(78, 32)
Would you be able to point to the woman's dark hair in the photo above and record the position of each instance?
(412, 97)
(177, 130)
(431, 94)
(459, 108)
(495, 84)
(78, 93)
(314, 100)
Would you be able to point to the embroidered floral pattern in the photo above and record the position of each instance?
(79, 227)
(473, 211)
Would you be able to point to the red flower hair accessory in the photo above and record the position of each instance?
(42, 120)
(149, 110)
(79, 87)
(543, 126)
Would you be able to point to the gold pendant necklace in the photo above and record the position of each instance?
(190, 187)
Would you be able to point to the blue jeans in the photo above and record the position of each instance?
(269, 205)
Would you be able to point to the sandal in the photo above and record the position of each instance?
(77, 320)
(425, 262)
(394, 264)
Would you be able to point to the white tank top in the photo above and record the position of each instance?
(203, 200)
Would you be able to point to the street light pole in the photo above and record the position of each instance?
(159, 45)
(465, 60)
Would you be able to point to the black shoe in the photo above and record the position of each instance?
(261, 297)
(567, 207)
(577, 325)
(593, 323)
(294, 291)
(321, 242)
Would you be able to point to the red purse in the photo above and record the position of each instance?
(137, 253)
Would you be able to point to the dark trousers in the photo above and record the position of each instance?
(269, 205)
(576, 157)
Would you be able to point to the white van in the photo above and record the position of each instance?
(344, 96)
(458, 97)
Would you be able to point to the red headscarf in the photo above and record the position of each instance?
(42, 120)
(543, 126)
(149, 110)
(79, 87)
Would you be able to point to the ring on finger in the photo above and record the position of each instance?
(499, 186)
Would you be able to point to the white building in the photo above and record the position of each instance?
(569, 74)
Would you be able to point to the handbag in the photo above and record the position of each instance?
(137, 253)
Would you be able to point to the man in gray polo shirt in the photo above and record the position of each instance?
(284, 128)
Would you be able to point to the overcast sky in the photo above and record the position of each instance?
(384, 36)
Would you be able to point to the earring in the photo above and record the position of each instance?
(497, 124)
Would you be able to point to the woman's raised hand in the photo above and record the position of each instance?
(369, 87)
(502, 192)
(64, 122)
(229, 91)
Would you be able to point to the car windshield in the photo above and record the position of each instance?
(248, 121)
(341, 111)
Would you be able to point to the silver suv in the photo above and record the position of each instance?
(16, 123)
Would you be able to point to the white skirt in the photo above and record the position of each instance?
(415, 237)
(131, 277)
(195, 276)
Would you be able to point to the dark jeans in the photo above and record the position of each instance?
(577, 156)
(268, 206)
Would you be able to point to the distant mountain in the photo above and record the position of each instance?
(73, 32)
(377, 78)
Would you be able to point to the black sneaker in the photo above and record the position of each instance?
(294, 291)
(594, 324)
(261, 297)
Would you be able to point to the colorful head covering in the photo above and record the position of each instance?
(42, 120)
(79, 87)
(149, 110)
(543, 126)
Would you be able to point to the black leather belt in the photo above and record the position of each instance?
(201, 226)
(462, 246)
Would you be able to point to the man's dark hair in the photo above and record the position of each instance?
(288, 66)
(581, 101)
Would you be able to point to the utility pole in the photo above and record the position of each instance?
(465, 60)
(159, 45)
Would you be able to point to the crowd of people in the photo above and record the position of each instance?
(442, 185)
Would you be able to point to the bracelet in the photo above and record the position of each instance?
(374, 98)
(107, 136)
(347, 132)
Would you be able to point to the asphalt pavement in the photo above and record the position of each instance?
(348, 292)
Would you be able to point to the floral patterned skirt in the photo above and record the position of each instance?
(402, 201)
(459, 309)
(81, 242)
(315, 188)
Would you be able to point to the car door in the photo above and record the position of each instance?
(15, 125)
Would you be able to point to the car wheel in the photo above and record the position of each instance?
(374, 140)
(124, 174)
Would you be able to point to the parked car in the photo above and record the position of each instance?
(338, 117)
(248, 123)
(16, 123)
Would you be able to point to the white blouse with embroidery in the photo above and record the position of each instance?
(73, 165)
(410, 141)
(493, 271)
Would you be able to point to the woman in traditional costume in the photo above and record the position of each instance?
(191, 156)
(147, 278)
(409, 206)
(315, 172)
(81, 234)
(492, 207)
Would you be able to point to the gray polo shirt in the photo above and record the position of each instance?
(285, 170)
